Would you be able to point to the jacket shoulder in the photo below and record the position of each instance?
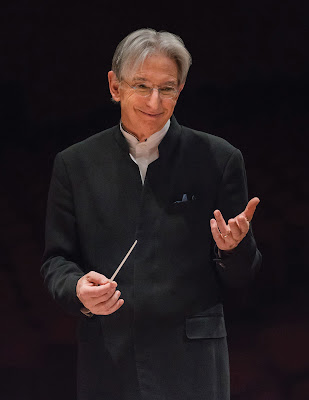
(91, 145)
(207, 142)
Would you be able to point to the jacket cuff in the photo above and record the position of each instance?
(237, 267)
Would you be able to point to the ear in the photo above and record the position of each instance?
(179, 90)
(181, 87)
(114, 85)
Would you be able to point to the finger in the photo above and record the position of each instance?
(112, 300)
(243, 224)
(106, 305)
(216, 234)
(115, 307)
(223, 228)
(94, 301)
(251, 207)
(236, 232)
(98, 291)
(96, 278)
(106, 296)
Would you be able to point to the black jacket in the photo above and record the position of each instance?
(168, 339)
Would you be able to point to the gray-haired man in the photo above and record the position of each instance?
(151, 180)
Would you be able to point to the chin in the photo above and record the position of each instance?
(154, 126)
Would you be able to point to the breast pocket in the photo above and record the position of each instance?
(182, 203)
(180, 207)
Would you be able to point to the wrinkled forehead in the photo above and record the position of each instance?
(136, 68)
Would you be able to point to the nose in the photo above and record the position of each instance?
(154, 99)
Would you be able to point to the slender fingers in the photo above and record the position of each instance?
(243, 223)
(90, 295)
(98, 294)
(239, 227)
(251, 207)
(93, 301)
(109, 306)
(99, 291)
(216, 233)
(228, 236)
(235, 230)
(115, 307)
(223, 228)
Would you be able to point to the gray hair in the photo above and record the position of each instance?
(138, 45)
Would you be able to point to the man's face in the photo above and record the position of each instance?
(140, 115)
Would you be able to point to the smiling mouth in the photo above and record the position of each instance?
(151, 115)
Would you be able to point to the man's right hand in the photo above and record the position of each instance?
(98, 294)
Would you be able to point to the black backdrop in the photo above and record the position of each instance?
(248, 84)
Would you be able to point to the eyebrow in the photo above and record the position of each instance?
(141, 79)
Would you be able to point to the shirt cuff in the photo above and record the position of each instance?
(221, 255)
(86, 312)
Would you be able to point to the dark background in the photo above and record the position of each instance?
(248, 84)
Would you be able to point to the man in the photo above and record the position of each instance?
(151, 180)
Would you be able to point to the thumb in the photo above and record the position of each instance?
(96, 278)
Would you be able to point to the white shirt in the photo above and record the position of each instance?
(144, 153)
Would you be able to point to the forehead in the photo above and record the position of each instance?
(157, 67)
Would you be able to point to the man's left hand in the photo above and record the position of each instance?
(228, 236)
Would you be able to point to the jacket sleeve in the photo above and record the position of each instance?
(60, 268)
(237, 267)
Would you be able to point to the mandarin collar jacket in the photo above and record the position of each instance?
(170, 332)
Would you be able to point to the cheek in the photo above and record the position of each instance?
(133, 105)
(170, 108)
(127, 99)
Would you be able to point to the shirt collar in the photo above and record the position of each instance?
(151, 142)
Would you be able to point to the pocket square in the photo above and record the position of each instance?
(186, 197)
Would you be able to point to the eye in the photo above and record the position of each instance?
(167, 90)
(142, 89)
(141, 86)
